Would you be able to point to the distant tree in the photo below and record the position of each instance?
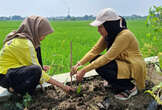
(86, 17)
(68, 17)
(4, 18)
(73, 18)
(16, 17)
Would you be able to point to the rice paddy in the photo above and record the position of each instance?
(56, 46)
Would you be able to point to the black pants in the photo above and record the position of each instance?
(22, 80)
(109, 73)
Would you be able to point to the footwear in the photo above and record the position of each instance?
(126, 94)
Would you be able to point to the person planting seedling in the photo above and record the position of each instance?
(123, 60)
(21, 68)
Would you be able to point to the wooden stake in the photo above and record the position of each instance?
(71, 60)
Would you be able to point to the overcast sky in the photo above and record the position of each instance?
(55, 8)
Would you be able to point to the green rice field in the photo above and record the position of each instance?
(56, 46)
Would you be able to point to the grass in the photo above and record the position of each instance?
(56, 46)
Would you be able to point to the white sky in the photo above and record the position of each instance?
(55, 8)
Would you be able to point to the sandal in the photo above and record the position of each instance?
(125, 95)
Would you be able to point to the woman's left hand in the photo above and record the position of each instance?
(80, 74)
(46, 68)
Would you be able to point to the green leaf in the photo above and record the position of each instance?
(154, 38)
(79, 88)
(27, 99)
(160, 59)
(148, 35)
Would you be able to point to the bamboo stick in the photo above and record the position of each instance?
(71, 60)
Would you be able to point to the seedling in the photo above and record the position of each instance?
(27, 100)
(79, 88)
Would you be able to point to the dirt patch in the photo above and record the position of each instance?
(92, 94)
(90, 98)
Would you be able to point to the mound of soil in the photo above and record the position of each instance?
(90, 98)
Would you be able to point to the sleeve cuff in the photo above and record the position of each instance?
(45, 77)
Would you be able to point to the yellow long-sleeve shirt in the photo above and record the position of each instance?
(19, 52)
(125, 51)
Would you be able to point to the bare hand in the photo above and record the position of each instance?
(80, 75)
(68, 89)
(74, 69)
(60, 85)
(46, 68)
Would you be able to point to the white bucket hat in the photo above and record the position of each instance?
(106, 14)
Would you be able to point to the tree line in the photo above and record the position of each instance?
(68, 17)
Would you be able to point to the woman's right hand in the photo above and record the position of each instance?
(74, 69)
(67, 89)
(46, 68)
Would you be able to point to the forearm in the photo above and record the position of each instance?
(88, 68)
(100, 61)
(120, 44)
(96, 50)
(87, 58)
(56, 83)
